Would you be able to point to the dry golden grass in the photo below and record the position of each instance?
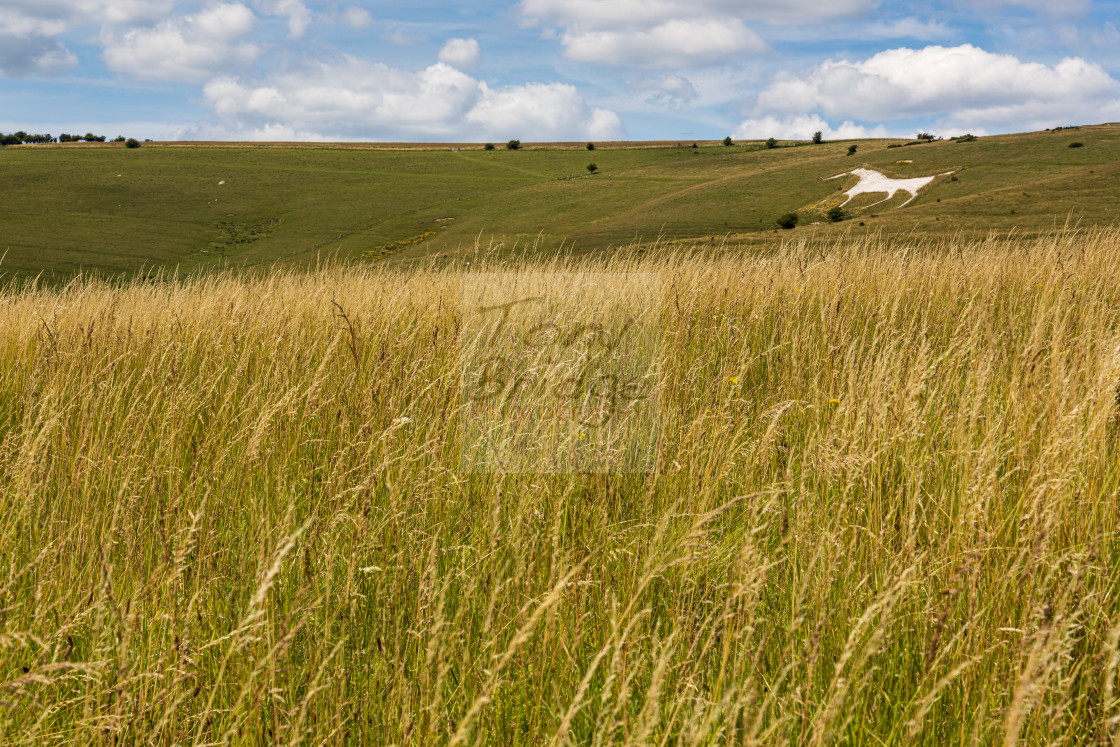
(884, 508)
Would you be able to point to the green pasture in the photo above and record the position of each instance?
(108, 210)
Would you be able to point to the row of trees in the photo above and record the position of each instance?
(21, 137)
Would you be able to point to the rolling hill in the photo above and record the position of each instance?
(107, 210)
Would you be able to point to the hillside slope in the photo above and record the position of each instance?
(110, 210)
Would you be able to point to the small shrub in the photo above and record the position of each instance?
(771, 143)
(817, 137)
(591, 146)
(727, 140)
(852, 149)
(695, 146)
(966, 138)
(1077, 145)
(788, 221)
(592, 168)
(513, 145)
(132, 143)
(895, 145)
(928, 137)
(488, 146)
(836, 214)
(119, 139)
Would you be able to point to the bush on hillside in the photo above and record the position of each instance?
(591, 146)
(817, 136)
(513, 145)
(592, 168)
(132, 143)
(788, 221)
(488, 146)
(771, 143)
(852, 149)
(836, 214)
(727, 140)
(1077, 145)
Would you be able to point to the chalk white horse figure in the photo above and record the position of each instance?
(871, 181)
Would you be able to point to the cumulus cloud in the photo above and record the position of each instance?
(126, 11)
(22, 55)
(357, 18)
(802, 127)
(29, 32)
(298, 15)
(906, 28)
(185, 48)
(673, 33)
(460, 53)
(359, 99)
(1107, 37)
(621, 14)
(964, 87)
(672, 44)
(52, 17)
(1061, 9)
(673, 91)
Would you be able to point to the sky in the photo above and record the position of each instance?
(548, 70)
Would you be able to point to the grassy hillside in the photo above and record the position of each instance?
(881, 509)
(110, 210)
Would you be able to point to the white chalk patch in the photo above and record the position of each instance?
(872, 182)
(223, 181)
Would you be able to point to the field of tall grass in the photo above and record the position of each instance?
(882, 506)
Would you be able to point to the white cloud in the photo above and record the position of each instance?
(964, 87)
(358, 18)
(56, 16)
(623, 14)
(29, 30)
(1107, 37)
(460, 53)
(673, 91)
(802, 127)
(542, 111)
(674, 33)
(359, 99)
(672, 44)
(298, 15)
(403, 35)
(22, 55)
(906, 28)
(185, 48)
(1050, 8)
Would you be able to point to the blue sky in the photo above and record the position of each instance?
(554, 69)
